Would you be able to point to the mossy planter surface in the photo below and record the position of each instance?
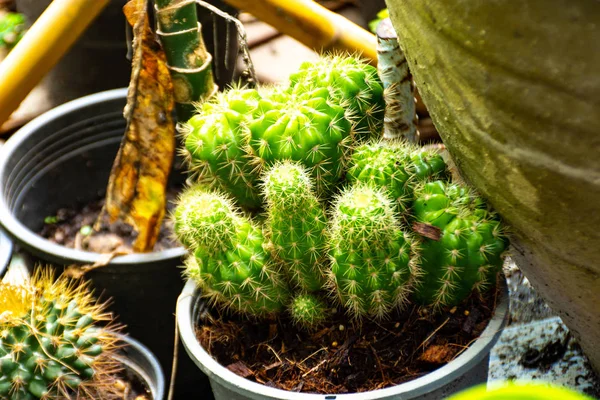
(514, 91)
(468, 369)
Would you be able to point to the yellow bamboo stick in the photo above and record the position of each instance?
(313, 25)
(43, 45)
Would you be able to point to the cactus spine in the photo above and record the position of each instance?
(304, 128)
(351, 83)
(52, 344)
(230, 265)
(297, 224)
(370, 255)
(215, 145)
(467, 254)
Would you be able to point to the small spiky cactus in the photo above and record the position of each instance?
(385, 167)
(215, 145)
(373, 262)
(204, 219)
(308, 311)
(394, 167)
(304, 128)
(351, 83)
(465, 252)
(297, 224)
(427, 165)
(56, 341)
(228, 260)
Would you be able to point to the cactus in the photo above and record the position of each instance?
(204, 219)
(352, 84)
(52, 344)
(395, 168)
(385, 167)
(297, 224)
(466, 252)
(215, 145)
(308, 311)
(229, 261)
(373, 261)
(304, 128)
(427, 164)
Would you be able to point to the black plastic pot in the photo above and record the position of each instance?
(6, 250)
(63, 159)
(98, 60)
(140, 361)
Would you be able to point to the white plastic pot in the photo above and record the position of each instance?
(468, 369)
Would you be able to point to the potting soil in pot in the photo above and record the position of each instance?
(341, 358)
(72, 227)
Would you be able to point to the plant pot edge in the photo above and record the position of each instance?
(6, 252)
(156, 383)
(434, 380)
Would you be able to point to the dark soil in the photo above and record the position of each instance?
(341, 358)
(71, 227)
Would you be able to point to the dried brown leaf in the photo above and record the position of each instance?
(136, 191)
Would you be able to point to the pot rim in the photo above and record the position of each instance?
(158, 386)
(188, 300)
(6, 252)
(28, 238)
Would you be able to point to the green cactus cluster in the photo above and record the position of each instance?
(363, 253)
(362, 225)
(235, 137)
(54, 342)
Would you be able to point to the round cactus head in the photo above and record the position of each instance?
(287, 183)
(350, 83)
(306, 129)
(215, 145)
(308, 311)
(372, 259)
(56, 341)
(204, 218)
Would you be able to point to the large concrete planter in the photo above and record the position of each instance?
(514, 90)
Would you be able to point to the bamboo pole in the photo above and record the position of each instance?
(400, 119)
(43, 45)
(313, 25)
(190, 64)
